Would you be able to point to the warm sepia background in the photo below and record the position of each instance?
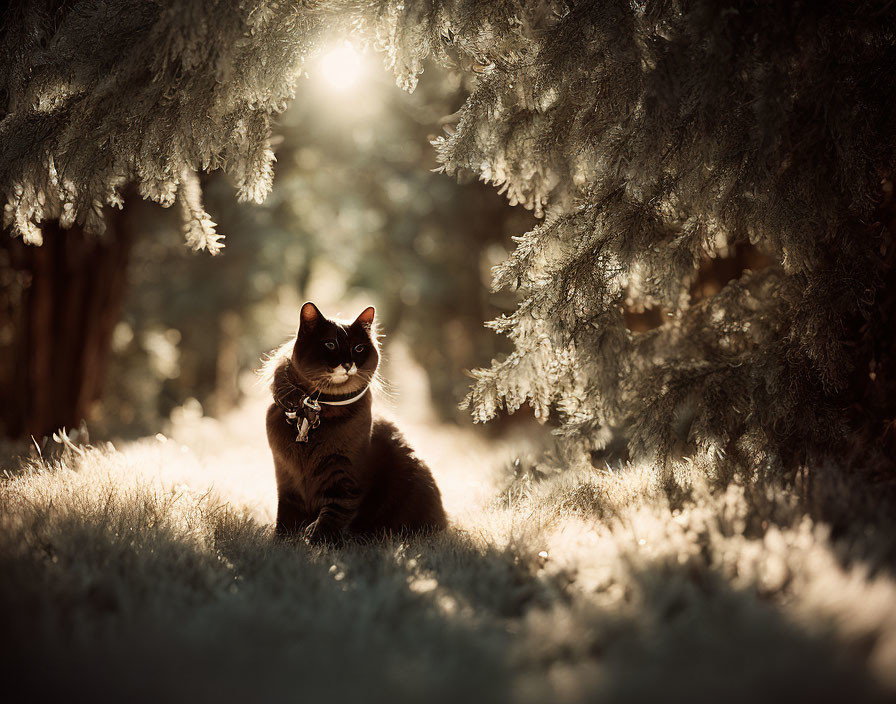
(357, 217)
(687, 519)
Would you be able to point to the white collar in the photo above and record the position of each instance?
(347, 401)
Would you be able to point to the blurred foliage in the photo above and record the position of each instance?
(356, 215)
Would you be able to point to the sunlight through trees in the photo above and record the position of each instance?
(679, 219)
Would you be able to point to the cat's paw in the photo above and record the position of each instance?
(312, 532)
(318, 533)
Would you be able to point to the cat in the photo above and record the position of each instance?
(340, 472)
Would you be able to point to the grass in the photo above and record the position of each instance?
(149, 574)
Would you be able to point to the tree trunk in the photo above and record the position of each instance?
(59, 304)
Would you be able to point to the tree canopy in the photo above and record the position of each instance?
(653, 139)
(103, 93)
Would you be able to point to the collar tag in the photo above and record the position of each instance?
(306, 417)
(303, 429)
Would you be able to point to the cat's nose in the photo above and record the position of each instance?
(347, 365)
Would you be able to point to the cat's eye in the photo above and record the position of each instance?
(330, 345)
(359, 348)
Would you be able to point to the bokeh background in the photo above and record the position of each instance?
(357, 216)
(144, 570)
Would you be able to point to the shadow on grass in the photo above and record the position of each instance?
(677, 634)
(118, 601)
(103, 610)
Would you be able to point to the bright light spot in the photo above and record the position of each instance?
(341, 68)
(422, 585)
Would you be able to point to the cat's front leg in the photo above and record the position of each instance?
(341, 498)
(292, 517)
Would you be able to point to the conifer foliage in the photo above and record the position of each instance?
(103, 93)
(653, 137)
(657, 137)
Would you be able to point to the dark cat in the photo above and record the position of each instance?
(338, 471)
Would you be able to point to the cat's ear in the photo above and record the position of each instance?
(309, 317)
(365, 320)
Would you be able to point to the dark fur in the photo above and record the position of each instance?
(354, 476)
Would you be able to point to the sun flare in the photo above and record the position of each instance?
(341, 68)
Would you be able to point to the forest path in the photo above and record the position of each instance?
(230, 455)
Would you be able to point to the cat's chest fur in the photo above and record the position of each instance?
(339, 444)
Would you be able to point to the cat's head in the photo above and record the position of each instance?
(334, 357)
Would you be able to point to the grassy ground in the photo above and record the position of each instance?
(149, 574)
